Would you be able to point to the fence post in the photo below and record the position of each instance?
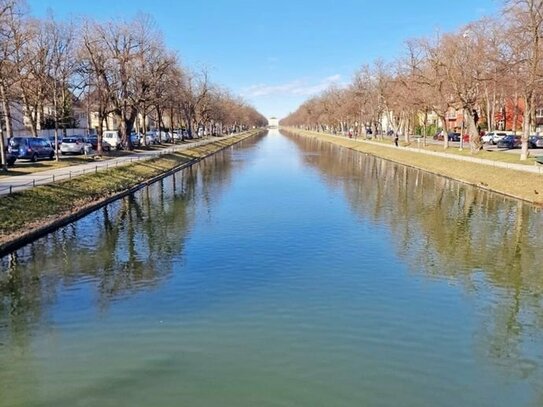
(10, 189)
(34, 182)
(53, 177)
(96, 169)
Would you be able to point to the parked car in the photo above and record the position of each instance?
(510, 141)
(177, 135)
(135, 139)
(535, 142)
(151, 138)
(112, 139)
(52, 140)
(10, 158)
(164, 136)
(93, 141)
(440, 135)
(493, 137)
(453, 136)
(31, 148)
(75, 145)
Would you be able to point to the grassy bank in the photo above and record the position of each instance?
(24, 213)
(518, 184)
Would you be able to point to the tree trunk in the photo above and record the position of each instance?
(7, 110)
(9, 130)
(528, 100)
(160, 119)
(3, 160)
(515, 113)
(55, 107)
(31, 116)
(100, 135)
(474, 136)
(443, 119)
(144, 125)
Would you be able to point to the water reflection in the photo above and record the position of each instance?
(124, 247)
(260, 279)
(490, 244)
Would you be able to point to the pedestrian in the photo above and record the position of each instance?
(396, 139)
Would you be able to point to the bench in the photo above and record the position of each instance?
(539, 159)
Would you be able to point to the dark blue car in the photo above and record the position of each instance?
(31, 148)
(510, 142)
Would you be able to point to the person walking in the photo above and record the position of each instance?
(396, 139)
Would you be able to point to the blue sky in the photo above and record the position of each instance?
(277, 54)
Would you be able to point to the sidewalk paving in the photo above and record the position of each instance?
(536, 168)
(23, 182)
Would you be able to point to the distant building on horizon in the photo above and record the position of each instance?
(273, 122)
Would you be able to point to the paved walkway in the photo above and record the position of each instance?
(21, 182)
(536, 168)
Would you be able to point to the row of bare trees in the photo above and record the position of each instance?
(117, 70)
(483, 69)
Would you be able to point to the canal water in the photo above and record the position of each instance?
(281, 272)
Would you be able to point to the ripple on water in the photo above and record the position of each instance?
(277, 274)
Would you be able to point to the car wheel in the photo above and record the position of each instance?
(34, 157)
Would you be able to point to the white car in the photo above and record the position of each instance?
(150, 138)
(176, 136)
(164, 136)
(492, 137)
(112, 139)
(75, 145)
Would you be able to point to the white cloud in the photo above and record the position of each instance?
(300, 87)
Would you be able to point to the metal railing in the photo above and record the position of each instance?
(102, 166)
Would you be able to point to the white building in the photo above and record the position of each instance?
(273, 122)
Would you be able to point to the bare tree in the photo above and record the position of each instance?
(525, 30)
(62, 64)
(11, 15)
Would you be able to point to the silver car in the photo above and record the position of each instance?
(75, 145)
(535, 142)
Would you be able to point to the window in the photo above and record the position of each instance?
(451, 115)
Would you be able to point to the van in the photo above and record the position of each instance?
(31, 148)
(112, 139)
